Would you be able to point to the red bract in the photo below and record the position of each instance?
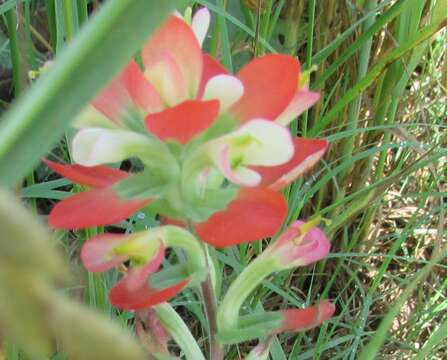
(307, 153)
(124, 298)
(307, 318)
(171, 124)
(99, 206)
(255, 214)
(270, 82)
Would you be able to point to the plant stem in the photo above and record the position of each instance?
(210, 305)
(175, 325)
(69, 20)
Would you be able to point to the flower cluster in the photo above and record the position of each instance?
(215, 153)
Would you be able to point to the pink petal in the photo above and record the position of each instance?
(255, 214)
(143, 94)
(307, 153)
(126, 299)
(211, 68)
(97, 253)
(95, 176)
(177, 39)
(93, 208)
(128, 89)
(113, 100)
(302, 101)
(166, 76)
(270, 83)
(308, 318)
(184, 121)
(313, 247)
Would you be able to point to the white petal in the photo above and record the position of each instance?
(272, 143)
(226, 88)
(95, 146)
(246, 177)
(302, 101)
(200, 24)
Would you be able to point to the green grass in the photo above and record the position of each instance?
(381, 187)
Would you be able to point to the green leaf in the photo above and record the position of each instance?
(93, 58)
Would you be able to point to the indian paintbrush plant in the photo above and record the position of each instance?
(215, 153)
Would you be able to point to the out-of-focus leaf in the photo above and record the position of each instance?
(24, 242)
(33, 313)
(87, 335)
(22, 319)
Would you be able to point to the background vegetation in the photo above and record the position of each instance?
(381, 67)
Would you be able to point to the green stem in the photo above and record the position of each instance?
(69, 20)
(177, 328)
(52, 27)
(309, 51)
(239, 290)
(210, 305)
(177, 237)
(17, 72)
(82, 11)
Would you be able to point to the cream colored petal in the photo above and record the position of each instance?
(226, 88)
(271, 143)
(95, 146)
(200, 24)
